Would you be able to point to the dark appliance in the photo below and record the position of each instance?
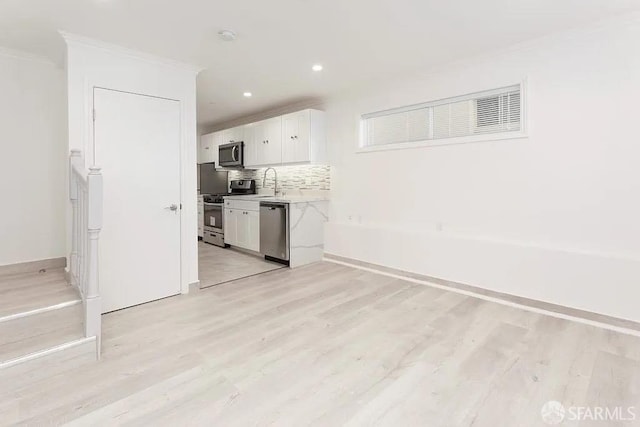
(274, 231)
(243, 186)
(231, 155)
(213, 181)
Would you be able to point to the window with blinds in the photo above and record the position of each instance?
(477, 116)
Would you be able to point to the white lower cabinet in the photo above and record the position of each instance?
(242, 224)
(230, 226)
(253, 225)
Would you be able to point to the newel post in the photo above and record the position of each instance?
(73, 196)
(94, 225)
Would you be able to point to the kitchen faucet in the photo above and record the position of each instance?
(264, 180)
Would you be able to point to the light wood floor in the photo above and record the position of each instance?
(329, 345)
(25, 292)
(220, 265)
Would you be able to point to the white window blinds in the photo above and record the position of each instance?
(496, 111)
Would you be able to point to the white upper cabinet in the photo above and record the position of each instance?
(251, 146)
(303, 137)
(235, 134)
(266, 143)
(293, 138)
(208, 151)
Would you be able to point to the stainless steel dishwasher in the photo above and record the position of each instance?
(274, 231)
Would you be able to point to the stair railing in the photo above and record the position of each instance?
(85, 193)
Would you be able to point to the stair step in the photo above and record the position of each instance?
(36, 367)
(29, 291)
(31, 334)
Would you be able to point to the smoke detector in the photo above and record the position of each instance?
(227, 35)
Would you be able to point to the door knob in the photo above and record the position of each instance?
(172, 207)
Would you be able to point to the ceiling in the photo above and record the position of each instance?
(359, 42)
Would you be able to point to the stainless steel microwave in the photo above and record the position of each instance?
(231, 155)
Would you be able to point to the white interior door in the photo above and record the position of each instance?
(137, 144)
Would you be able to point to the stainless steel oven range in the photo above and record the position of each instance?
(213, 221)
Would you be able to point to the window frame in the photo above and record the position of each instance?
(483, 137)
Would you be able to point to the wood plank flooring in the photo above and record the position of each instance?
(39, 332)
(220, 265)
(25, 292)
(328, 345)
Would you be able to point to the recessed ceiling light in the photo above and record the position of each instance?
(247, 94)
(317, 67)
(227, 35)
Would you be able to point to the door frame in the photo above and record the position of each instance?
(91, 156)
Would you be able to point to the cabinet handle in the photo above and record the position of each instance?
(292, 137)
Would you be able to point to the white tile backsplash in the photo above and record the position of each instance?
(300, 177)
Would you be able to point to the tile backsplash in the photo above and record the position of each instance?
(302, 177)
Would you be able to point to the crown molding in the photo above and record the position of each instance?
(76, 40)
(26, 56)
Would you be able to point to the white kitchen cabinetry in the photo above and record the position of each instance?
(206, 148)
(209, 147)
(230, 226)
(250, 146)
(304, 137)
(263, 145)
(295, 138)
(235, 134)
(242, 224)
(200, 216)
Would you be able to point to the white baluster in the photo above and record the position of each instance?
(94, 225)
(73, 195)
(85, 193)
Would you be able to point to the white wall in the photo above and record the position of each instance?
(95, 64)
(32, 159)
(554, 217)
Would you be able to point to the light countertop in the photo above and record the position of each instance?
(280, 199)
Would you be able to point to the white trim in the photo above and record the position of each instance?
(74, 39)
(40, 310)
(38, 354)
(536, 310)
(443, 141)
(195, 284)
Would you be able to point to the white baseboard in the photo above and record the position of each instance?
(612, 324)
(601, 283)
(195, 284)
